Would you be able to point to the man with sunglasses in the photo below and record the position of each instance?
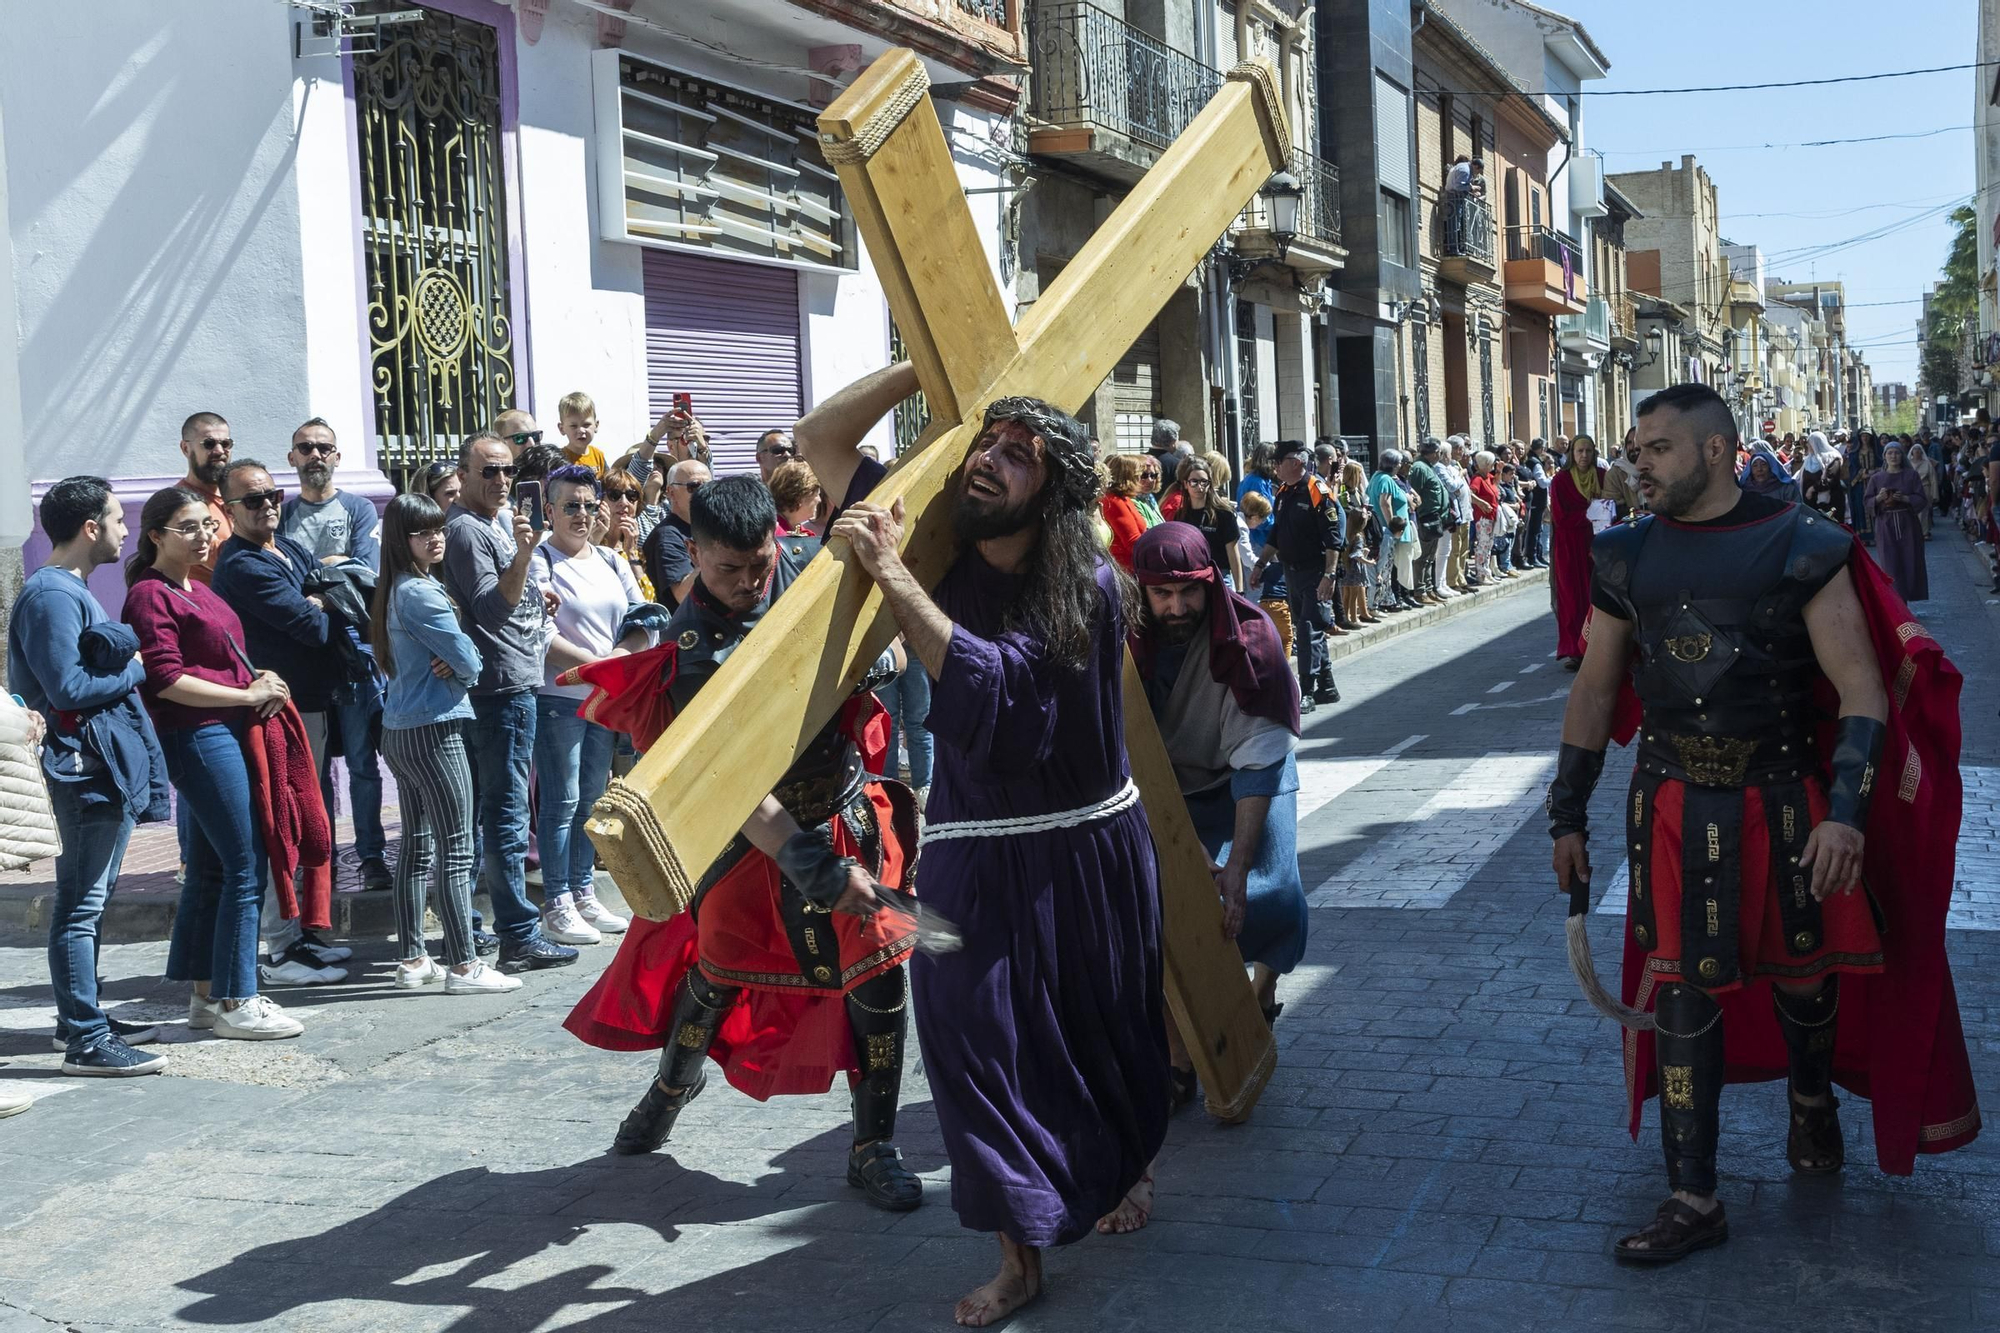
(774, 450)
(516, 426)
(488, 547)
(668, 565)
(205, 443)
(335, 525)
(262, 576)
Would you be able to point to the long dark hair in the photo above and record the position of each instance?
(406, 516)
(1059, 602)
(160, 508)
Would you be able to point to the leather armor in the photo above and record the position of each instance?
(1725, 668)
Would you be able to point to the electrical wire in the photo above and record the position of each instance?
(1759, 147)
(1783, 84)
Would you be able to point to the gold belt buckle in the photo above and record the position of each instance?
(1713, 761)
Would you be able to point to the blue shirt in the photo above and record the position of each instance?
(282, 631)
(422, 625)
(45, 666)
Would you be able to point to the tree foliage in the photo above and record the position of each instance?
(1952, 319)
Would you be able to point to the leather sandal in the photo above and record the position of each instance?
(647, 1125)
(1815, 1136)
(1677, 1230)
(878, 1171)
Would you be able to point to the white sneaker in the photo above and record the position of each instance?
(427, 971)
(292, 972)
(13, 1103)
(564, 926)
(256, 1019)
(481, 980)
(597, 914)
(202, 1012)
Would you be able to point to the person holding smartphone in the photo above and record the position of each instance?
(488, 547)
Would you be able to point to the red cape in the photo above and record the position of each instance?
(1900, 1043)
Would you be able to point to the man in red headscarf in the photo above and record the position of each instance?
(1228, 709)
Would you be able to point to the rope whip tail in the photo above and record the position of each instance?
(1580, 962)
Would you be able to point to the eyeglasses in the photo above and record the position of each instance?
(208, 527)
(526, 438)
(428, 534)
(315, 447)
(1196, 483)
(575, 507)
(627, 496)
(689, 486)
(212, 445)
(492, 470)
(779, 451)
(258, 499)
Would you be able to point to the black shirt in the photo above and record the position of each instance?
(666, 558)
(1750, 508)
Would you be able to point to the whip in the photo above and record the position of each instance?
(1577, 928)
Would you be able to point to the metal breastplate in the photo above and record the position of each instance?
(1724, 666)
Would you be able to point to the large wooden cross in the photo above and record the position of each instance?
(665, 822)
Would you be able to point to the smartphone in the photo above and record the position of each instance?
(528, 500)
(684, 403)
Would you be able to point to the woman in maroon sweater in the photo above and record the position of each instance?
(202, 692)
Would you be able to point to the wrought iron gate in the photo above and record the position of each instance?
(913, 414)
(1420, 356)
(434, 237)
(1246, 375)
(1486, 379)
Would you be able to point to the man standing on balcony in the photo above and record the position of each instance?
(1465, 180)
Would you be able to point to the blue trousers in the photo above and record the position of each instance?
(908, 699)
(572, 767)
(215, 923)
(354, 719)
(502, 741)
(1310, 622)
(93, 840)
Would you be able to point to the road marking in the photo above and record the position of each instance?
(1532, 667)
(1322, 780)
(1463, 709)
(1447, 840)
(1503, 685)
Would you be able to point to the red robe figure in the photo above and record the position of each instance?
(1790, 827)
(780, 971)
(1570, 531)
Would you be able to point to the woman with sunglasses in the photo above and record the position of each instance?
(626, 524)
(441, 482)
(595, 589)
(202, 695)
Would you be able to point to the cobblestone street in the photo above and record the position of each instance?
(1442, 1145)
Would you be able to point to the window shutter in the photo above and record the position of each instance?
(1392, 136)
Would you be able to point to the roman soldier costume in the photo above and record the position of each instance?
(1740, 754)
(760, 974)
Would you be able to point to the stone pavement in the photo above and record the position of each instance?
(1442, 1146)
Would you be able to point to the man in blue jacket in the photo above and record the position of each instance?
(337, 525)
(93, 813)
(262, 575)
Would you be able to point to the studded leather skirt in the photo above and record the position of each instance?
(1717, 895)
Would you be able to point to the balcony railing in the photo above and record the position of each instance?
(1319, 199)
(1592, 327)
(1466, 226)
(1092, 68)
(1624, 317)
(1544, 243)
(993, 11)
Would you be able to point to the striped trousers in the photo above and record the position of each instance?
(434, 781)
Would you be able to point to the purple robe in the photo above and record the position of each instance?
(1899, 531)
(1044, 1039)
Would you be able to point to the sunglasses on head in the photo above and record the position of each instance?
(526, 438)
(492, 470)
(258, 499)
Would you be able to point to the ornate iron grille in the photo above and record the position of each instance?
(434, 237)
(1486, 382)
(993, 11)
(1093, 68)
(913, 414)
(1420, 355)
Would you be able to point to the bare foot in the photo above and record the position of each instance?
(1132, 1212)
(1019, 1284)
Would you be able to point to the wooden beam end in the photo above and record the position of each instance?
(855, 125)
(1263, 82)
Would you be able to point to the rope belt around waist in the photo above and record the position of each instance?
(1117, 803)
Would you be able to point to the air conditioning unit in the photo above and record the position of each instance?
(1586, 187)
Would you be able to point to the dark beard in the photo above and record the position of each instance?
(1174, 630)
(1676, 498)
(315, 475)
(977, 520)
(211, 472)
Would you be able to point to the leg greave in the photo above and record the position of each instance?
(698, 1012)
(878, 1013)
(1689, 1041)
(1808, 1024)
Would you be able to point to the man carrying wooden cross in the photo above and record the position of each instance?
(1044, 1038)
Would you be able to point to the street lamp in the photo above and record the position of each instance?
(1656, 341)
(1285, 192)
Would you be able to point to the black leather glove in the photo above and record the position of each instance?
(1857, 751)
(807, 859)
(1577, 771)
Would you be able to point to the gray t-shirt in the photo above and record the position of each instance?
(321, 527)
(510, 639)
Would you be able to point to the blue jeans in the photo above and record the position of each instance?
(572, 766)
(502, 739)
(354, 719)
(93, 839)
(908, 699)
(215, 924)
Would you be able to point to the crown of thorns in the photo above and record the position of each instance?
(1064, 439)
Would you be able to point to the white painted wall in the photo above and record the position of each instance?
(332, 286)
(155, 229)
(1267, 375)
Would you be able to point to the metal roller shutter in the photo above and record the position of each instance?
(1392, 136)
(726, 333)
(1135, 392)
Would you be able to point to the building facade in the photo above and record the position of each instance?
(1986, 202)
(1676, 254)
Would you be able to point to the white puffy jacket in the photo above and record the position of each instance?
(27, 822)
